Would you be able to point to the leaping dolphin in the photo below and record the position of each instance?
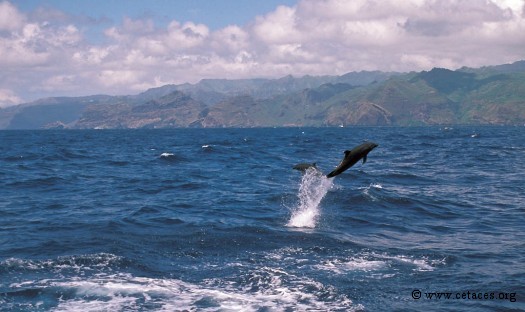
(352, 157)
(305, 166)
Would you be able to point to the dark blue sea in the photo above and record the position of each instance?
(217, 220)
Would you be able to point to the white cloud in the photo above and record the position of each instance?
(229, 41)
(46, 56)
(278, 27)
(119, 77)
(10, 18)
(187, 36)
(58, 82)
(22, 49)
(93, 56)
(8, 98)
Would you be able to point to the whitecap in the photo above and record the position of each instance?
(352, 264)
(381, 265)
(266, 288)
(376, 185)
(421, 264)
(366, 190)
(361, 264)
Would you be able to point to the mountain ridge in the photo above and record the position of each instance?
(486, 95)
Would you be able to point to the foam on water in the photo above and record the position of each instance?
(389, 265)
(267, 289)
(314, 186)
(373, 186)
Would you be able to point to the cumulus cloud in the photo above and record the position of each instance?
(8, 98)
(41, 55)
(10, 17)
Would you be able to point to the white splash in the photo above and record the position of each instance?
(314, 186)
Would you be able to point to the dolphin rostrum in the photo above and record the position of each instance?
(352, 157)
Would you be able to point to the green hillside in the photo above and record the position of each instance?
(488, 95)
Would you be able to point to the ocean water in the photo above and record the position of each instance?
(217, 220)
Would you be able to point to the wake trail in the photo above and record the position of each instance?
(314, 186)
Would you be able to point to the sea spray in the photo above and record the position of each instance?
(314, 186)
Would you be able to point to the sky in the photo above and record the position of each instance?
(116, 47)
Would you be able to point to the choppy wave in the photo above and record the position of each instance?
(123, 292)
(216, 219)
(388, 265)
(172, 157)
(98, 288)
(96, 282)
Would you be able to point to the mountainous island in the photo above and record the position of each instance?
(487, 95)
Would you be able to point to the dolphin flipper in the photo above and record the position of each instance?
(364, 160)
